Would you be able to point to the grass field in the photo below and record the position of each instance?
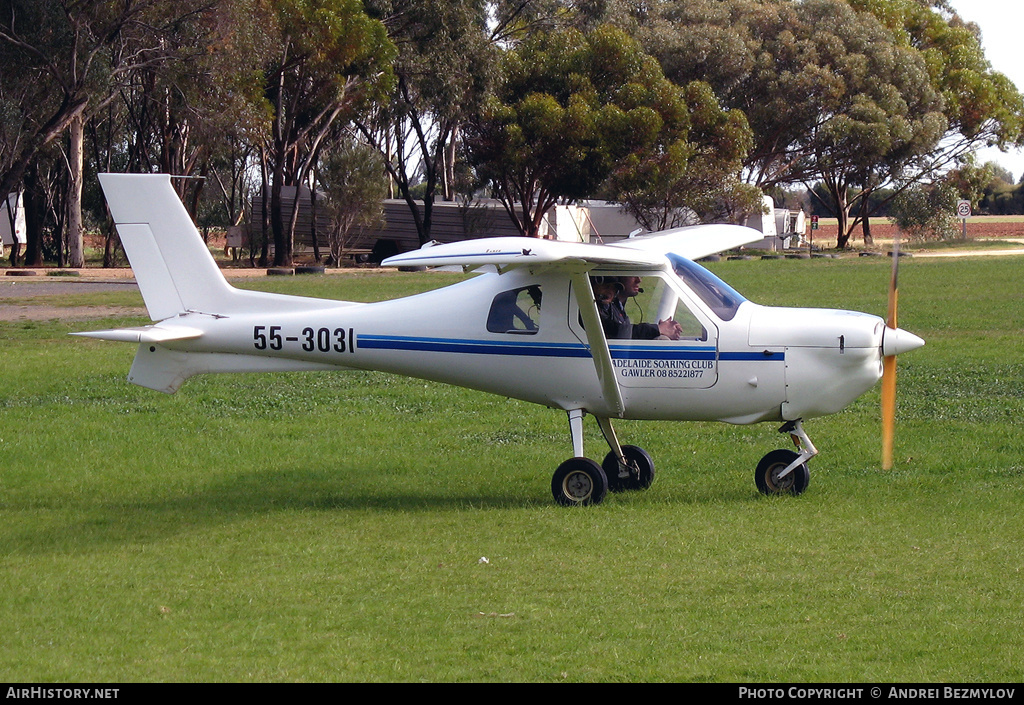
(364, 527)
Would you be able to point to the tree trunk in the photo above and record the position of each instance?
(292, 223)
(11, 215)
(278, 226)
(313, 228)
(865, 229)
(839, 195)
(34, 216)
(76, 244)
(11, 179)
(843, 237)
(448, 186)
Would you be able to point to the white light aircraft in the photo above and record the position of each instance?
(531, 328)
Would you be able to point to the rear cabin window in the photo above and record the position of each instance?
(516, 311)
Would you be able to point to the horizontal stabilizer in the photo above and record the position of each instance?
(143, 334)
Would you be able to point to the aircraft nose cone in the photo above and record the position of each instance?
(897, 340)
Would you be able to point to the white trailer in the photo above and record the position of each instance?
(12, 221)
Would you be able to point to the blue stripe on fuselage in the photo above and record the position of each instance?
(533, 349)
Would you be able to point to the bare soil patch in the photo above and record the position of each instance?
(14, 289)
(18, 312)
(979, 227)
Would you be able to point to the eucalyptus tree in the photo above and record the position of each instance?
(443, 70)
(178, 116)
(63, 59)
(829, 92)
(927, 211)
(692, 168)
(354, 180)
(981, 106)
(572, 109)
(331, 60)
(512, 21)
(198, 112)
(934, 52)
(854, 93)
(883, 118)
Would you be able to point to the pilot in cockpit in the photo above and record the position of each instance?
(611, 295)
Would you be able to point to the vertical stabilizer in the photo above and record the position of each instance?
(174, 268)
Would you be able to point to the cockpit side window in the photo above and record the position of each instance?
(719, 296)
(516, 311)
(643, 307)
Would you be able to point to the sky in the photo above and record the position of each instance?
(1001, 22)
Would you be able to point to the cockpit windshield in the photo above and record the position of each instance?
(719, 296)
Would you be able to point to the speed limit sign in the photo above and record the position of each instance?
(963, 209)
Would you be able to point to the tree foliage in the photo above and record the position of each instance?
(573, 109)
(669, 106)
(330, 60)
(927, 212)
(855, 94)
(353, 178)
(63, 60)
(690, 170)
(443, 71)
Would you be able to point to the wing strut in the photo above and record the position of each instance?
(597, 342)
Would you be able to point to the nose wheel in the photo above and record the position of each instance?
(769, 476)
(785, 471)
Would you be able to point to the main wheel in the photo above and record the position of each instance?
(767, 479)
(579, 482)
(641, 470)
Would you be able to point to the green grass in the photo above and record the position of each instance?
(331, 527)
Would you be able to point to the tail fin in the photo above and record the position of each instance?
(174, 268)
(178, 275)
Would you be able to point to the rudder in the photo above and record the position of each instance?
(175, 270)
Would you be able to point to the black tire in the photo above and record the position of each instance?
(766, 475)
(579, 482)
(641, 473)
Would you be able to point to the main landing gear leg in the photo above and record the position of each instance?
(578, 481)
(785, 471)
(581, 481)
(627, 467)
(576, 429)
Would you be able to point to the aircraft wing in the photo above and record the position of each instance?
(511, 252)
(694, 241)
(644, 252)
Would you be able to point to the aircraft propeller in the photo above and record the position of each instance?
(889, 363)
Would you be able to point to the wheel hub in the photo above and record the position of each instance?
(780, 484)
(578, 485)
